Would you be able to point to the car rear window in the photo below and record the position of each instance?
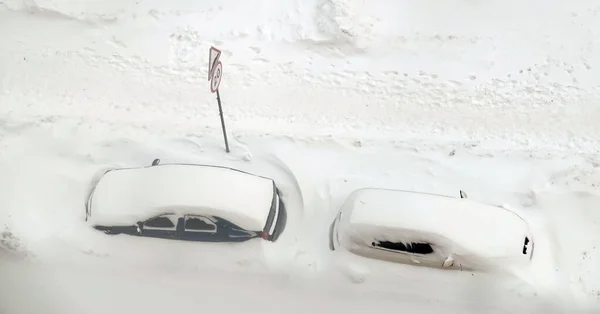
(271, 215)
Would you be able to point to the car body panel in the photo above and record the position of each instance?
(224, 230)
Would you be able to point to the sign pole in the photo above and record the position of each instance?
(222, 122)
(215, 73)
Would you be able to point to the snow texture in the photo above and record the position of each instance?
(496, 98)
(123, 197)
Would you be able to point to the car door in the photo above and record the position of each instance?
(200, 228)
(161, 226)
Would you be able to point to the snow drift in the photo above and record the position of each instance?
(326, 96)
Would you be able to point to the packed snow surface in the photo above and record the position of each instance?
(123, 197)
(496, 98)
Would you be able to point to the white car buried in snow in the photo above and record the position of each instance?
(186, 202)
(430, 230)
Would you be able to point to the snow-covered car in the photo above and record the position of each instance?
(430, 230)
(186, 202)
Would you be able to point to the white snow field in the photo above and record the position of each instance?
(498, 98)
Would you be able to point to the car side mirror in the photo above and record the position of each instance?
(155, 162)
(449, 262)
(463, 194)
(139, 227)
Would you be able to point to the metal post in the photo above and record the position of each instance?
(222, 122)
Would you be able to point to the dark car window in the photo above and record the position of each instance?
(199, 224)
(416, 248)
(164, 222)
(160, 222)
(525, 245)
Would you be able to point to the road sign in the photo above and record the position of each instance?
(213, 57)
(217, 74)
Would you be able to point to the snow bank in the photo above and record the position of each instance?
(55, 161)
(126, 196)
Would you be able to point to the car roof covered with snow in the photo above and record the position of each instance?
(404, 216)
(126, 196)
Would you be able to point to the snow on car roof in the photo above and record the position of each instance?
(126, 196)
(395, 215)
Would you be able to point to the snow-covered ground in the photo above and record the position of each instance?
(500, 99)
